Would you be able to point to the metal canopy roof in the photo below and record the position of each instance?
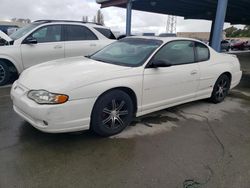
(238, 11)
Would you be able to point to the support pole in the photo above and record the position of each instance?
(128, 19)
(219, 24)
(211, 32)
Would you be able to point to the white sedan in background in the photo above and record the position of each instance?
(131, 77)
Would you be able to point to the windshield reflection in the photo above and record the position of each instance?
(127, 52)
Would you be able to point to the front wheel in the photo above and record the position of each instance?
(221, 89)
(4, 73)
(112, 113)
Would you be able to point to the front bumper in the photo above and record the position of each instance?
(71, 116)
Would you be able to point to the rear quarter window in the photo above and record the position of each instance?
(202, 52)
(79, 33)
(106, 32)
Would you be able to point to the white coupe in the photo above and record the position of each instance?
(131, 77)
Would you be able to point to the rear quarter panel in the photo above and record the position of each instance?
(211, 70)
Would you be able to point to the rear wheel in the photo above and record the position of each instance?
(112, 113)
(4, 73)
(221, 89)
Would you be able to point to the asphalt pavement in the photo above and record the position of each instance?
(197, 144)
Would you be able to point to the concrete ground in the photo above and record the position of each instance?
(194, 145)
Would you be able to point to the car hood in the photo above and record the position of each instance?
(64, 75)
(5, 37)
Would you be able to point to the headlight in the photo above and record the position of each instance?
(45, 97)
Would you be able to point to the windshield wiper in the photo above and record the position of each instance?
(101, 60)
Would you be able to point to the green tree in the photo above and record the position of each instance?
(235, 32)
(246, 31)
(230, 31)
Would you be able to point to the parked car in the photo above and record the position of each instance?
(247, 44)
(47, 40)
(238, 45)
(2, 40)
(8, 28)
(12, 30)
(121, 36)
(167, 35)
(131, 77)
(148, 34)
(225, 45)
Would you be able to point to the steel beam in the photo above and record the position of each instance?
(129, 18)
(211, 32)
(105, 4)
(219, 24)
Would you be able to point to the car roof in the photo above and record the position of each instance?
(166, 39)
(92, 24)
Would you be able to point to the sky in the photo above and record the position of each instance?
(115, 18)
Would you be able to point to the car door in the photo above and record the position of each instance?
(79, 41)
(207, 70)
(49, 46)
(175, 83)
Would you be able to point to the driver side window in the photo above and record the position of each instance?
(176, 53)
(51, 33)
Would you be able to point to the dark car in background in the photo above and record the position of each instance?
(7, 28)
(167, 35)
(225, 45)
(238, 45)
(247, 44)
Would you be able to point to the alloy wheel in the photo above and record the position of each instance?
(114, 113)
(2, 73)
(222, 89)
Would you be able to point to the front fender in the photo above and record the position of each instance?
(134, 83)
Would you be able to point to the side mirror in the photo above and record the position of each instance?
(30, 40)
(160, 63)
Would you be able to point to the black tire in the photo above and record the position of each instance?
(112, 113)
(221, 89)
(4, 73)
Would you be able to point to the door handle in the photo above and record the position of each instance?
(57, 47)
(93, 45)
(194, 72)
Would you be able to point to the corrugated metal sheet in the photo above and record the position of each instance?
(238, 11)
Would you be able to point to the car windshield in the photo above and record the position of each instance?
(23, 31)
(128, 51)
